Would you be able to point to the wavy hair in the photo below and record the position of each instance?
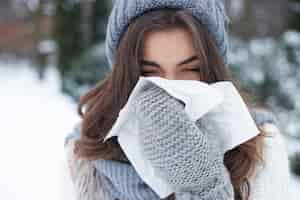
(104, 101)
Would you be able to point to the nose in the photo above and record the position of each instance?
(170, 75)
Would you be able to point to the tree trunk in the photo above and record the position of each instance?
(86, 11)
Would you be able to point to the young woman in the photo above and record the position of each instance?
(173, 39)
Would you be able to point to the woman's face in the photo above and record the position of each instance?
(171, 55)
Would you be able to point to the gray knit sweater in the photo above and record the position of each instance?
(110, 180)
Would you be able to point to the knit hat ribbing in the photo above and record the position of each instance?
(211, 13)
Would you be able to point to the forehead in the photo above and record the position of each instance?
(173, 45)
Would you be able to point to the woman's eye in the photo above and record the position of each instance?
(193, 69)
(148, 72)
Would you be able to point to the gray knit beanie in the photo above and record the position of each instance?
(211, 13)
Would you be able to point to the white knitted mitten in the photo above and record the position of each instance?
(180, 151)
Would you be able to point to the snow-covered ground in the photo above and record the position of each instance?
(35, 118)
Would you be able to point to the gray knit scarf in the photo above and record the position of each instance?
(121, 181)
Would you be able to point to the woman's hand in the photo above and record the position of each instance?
(179, 150)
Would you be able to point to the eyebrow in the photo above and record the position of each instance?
(186, 61)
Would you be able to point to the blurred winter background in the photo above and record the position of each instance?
(51, 52)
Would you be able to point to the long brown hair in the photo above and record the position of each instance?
(104, 101)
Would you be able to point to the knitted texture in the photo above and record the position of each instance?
(121, 181)
(210, 13)
(91, 180)
(181, 152)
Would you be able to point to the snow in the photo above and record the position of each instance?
(269, 68)
(293, 145)
(32, 4)
(35, 119)
(47, 46)
(292, 38)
